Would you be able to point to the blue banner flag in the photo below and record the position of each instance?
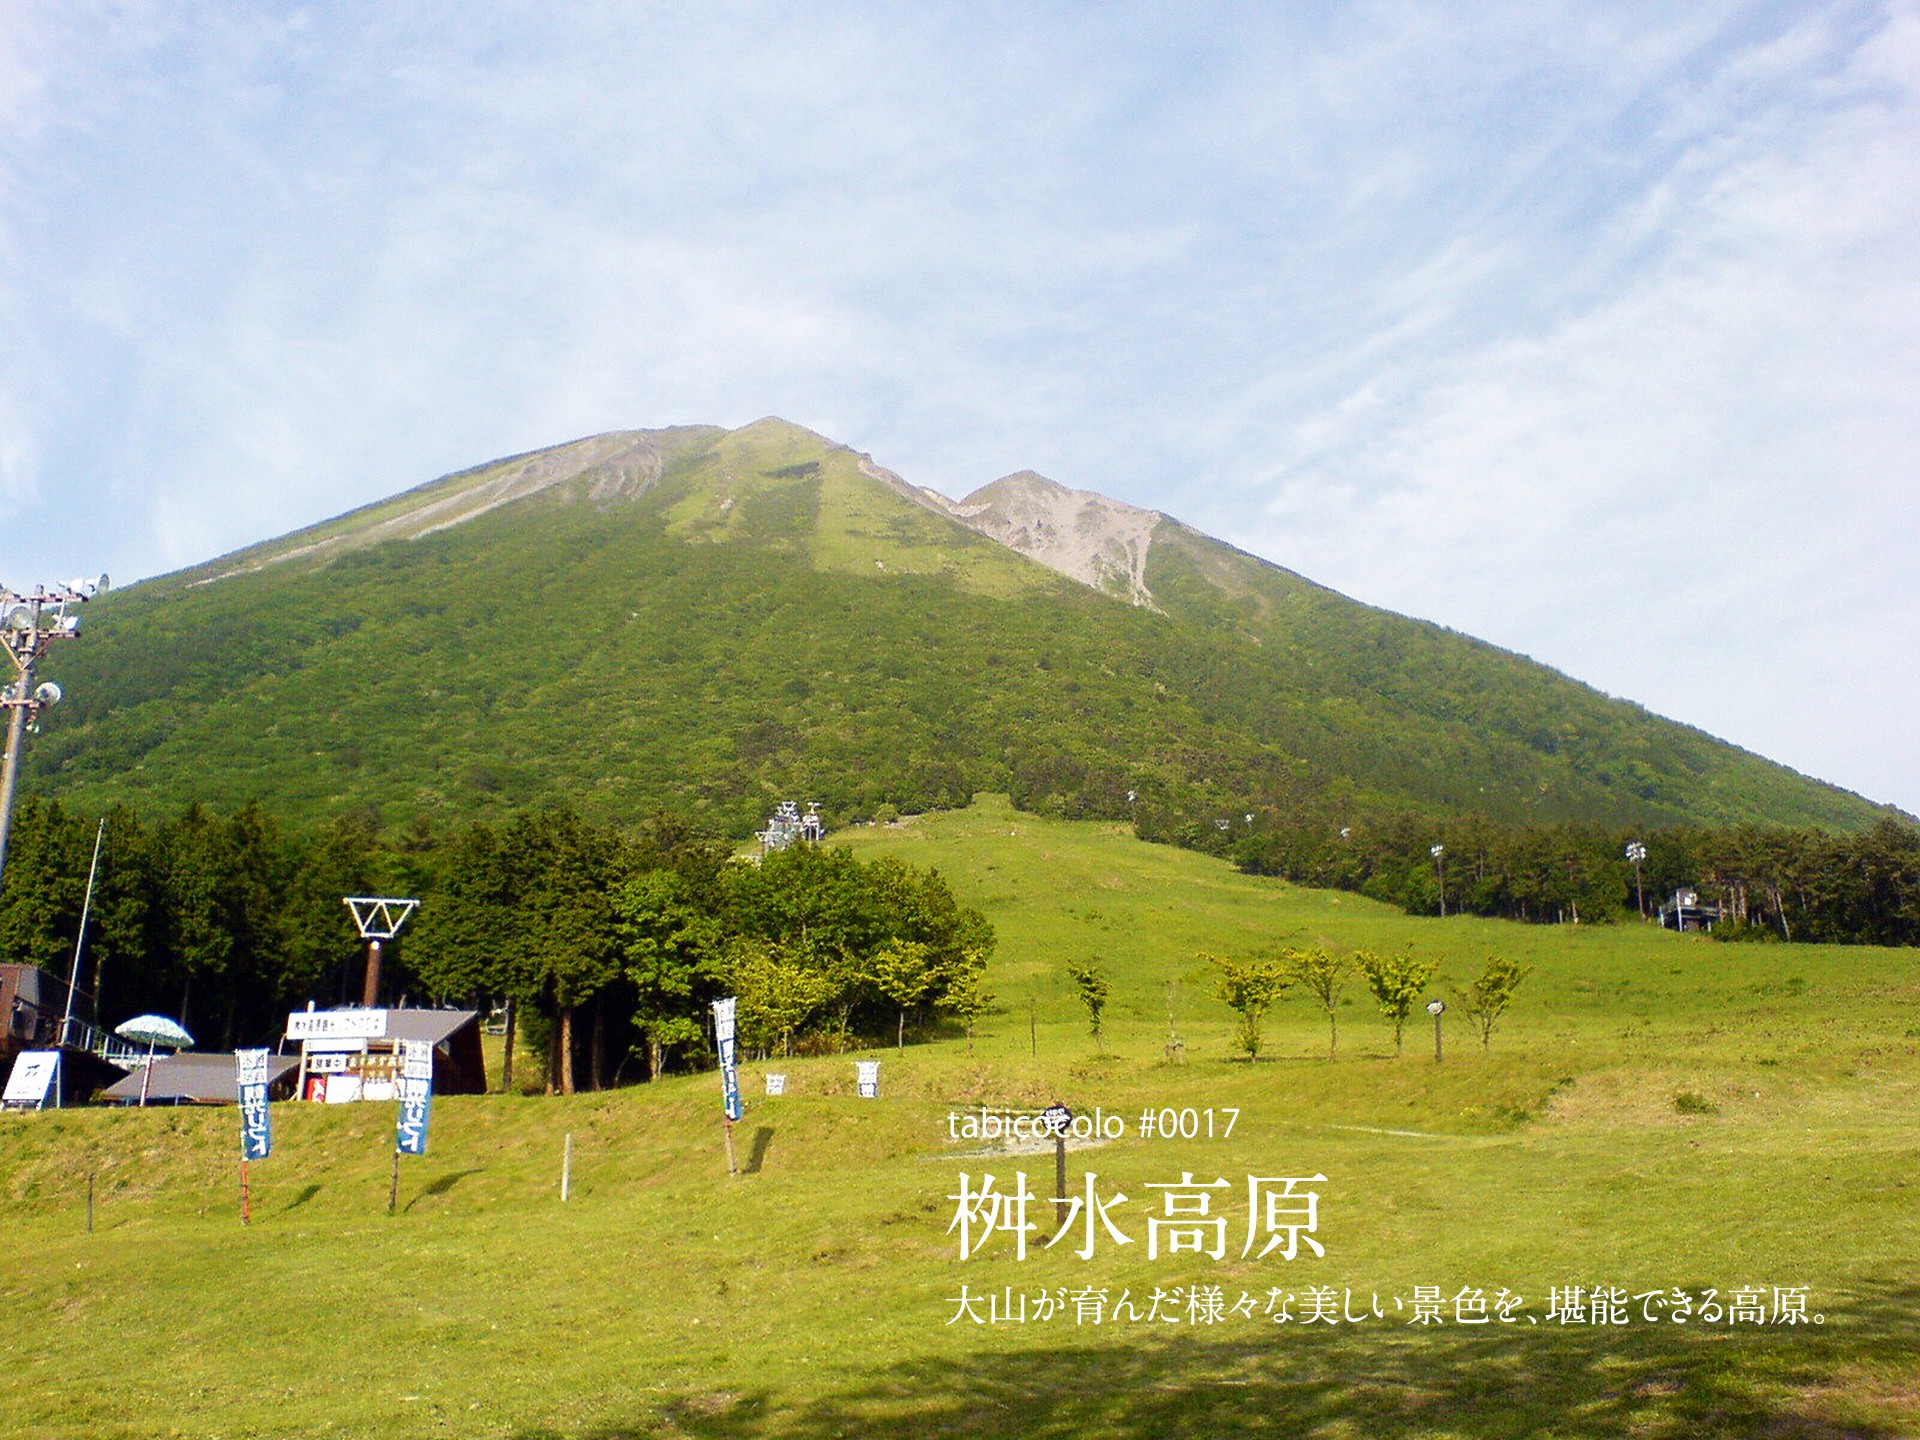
(250, 1077)
(729, 1072)
(416, 1095)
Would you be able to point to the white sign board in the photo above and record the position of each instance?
(331, 1045)
(32, 1076)
(776, 1084)
(341, 1089)
(866, 1074)
(337, 1025)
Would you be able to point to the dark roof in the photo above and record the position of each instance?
(196, 1076)
(434, 1025)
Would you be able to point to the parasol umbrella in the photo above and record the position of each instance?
(155, 1030)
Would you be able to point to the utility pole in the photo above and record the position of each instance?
(73, 973)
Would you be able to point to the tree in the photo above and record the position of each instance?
(903, 971)
(1093, 989)
(845, 913)
(1322, 974)
(674, 1033)
(967, 996)
(470, 940)
(1397, 982)
(569, 870)
(1249, 988)
(671, 948)
(1487, 999)
(199, 941)
(780, 988)
(813, 902)
(341, 859)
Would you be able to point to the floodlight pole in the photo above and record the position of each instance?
(377, 918)
(16, 703)
(26, 629)
(371, 992)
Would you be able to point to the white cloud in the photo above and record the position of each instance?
(1693, 490)
(1467, 314)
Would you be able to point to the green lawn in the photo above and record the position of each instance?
(815, 1295)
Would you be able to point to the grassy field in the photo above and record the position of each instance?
(1658, 1113)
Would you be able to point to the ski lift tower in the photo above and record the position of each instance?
(29, 623)
(378, 919)
(783, 827)
(787, 825)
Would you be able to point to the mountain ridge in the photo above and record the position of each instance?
(713, 619)
(1086, 536)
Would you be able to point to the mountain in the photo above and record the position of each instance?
(712, 620)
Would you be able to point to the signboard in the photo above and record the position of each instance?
(337, 1025)
(379, 1075)
(32, 1077)
(250, 1079)
(729, 1071)
(332, 1045)
(1057, 1118)
(866, 1074)
(776, 1084)
(416, 1096)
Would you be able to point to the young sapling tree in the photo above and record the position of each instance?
(1397, 982)
(1487, 999)
(1323, 975)
(1093, 989)
(1249, 988)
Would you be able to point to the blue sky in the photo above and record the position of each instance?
(1592, 330)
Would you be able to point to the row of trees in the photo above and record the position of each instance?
(605, 946)
(1251, 985)
(629, 939)
(225, 921)
(1399, 981)
(1789, 884)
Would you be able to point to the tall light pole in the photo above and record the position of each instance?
(378, 918)
(29, 623)
(1637, 854)
(1439, 853)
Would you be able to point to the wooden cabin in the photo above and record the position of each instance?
(354, 1053)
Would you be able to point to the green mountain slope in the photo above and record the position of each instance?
(712, 620)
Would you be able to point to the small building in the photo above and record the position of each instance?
(31, 1004)
(1686, 911)
(195, 1077)
(354, 1053)
(37, 1014)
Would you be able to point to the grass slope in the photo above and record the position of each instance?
(812, 1296)
(712, 620)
